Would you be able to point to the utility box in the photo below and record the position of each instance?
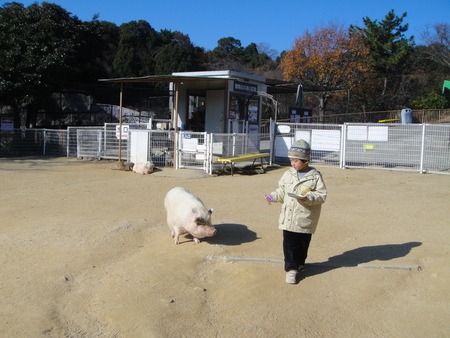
(406, 115)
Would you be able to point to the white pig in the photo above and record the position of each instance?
(186, 213)
(143, 167)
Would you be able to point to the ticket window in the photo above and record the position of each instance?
(244, 109)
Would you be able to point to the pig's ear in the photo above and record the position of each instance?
(210, 211)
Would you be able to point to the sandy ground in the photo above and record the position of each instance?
(86, 252)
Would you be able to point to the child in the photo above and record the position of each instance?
(299, 215)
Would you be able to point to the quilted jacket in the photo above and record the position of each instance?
(295, 215)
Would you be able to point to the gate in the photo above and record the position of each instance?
(89, 143)
(192, 150)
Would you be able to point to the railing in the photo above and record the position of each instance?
(429, 116)
(405, 147)
(394, 146)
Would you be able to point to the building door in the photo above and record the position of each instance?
(215, 103)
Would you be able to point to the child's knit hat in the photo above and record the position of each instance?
(301, 150)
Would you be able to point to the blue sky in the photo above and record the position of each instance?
(274, 22)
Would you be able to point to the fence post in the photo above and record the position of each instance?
(67, 141)
(422, 150)
(45, 140)
(99, 146)
(343, 146)
(272, 140)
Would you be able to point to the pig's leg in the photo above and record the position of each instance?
(196, 240)
(176, 234)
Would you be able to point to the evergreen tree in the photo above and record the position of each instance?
(389, 50)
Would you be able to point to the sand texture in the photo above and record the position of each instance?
(86, 252)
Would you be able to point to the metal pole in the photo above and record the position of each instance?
(422, 150)
(120, 164)
(175, 126)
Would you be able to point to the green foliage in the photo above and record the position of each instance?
(229, 53)
(228, 48)
(389, 50)
(38, 48)
(137, 47)
(178, 54)
(44, 49)
(429, 100)
(389, 56)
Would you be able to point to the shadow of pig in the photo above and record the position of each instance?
(231, 234)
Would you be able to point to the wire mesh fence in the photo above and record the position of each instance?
(156, 146)
(436, 149)
(192, 150)
(406, 147)
(325, 141)
(32, 142)
(394, 146)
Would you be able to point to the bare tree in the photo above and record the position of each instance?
(437, 39)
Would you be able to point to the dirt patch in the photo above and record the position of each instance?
(86, 252)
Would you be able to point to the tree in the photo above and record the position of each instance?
(437, 39)
(229, 54)
(389, 50)
(327, 57)
(228, 48)
(178, 54)
(95, 60)
(39, 45)
(138, 45)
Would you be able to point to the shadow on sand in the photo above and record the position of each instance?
(232, 234)
(359, 256)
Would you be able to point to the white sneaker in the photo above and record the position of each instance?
(291, 277)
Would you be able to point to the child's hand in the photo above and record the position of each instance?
(302, 199)
(268, 198)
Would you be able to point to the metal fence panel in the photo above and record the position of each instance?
(436, 148)
(325, 141)
(156, 146)
(89, 143)
(72, 142)
(222, 145)
(55, 142)
(406, 147)
(192, 150)
(21, 142)
(391, 146)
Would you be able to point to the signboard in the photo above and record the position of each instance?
(7, 125)
(300, 115)
(124, 134)
(244, 87)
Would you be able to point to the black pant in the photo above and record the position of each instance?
(295, 248)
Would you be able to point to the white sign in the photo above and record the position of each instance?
(124, 134)
(283, 129)
(7, 125)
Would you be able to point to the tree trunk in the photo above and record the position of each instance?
(32, 109)
(384, 86)
(323, 98)
(17, 118)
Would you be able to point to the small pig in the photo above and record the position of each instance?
(143, 168)
(186, 213)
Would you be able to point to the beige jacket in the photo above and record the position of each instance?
(297, 216)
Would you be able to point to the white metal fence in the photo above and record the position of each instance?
(326, 141)
(29, 142)
(406, 147)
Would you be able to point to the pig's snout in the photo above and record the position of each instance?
(211, 232)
